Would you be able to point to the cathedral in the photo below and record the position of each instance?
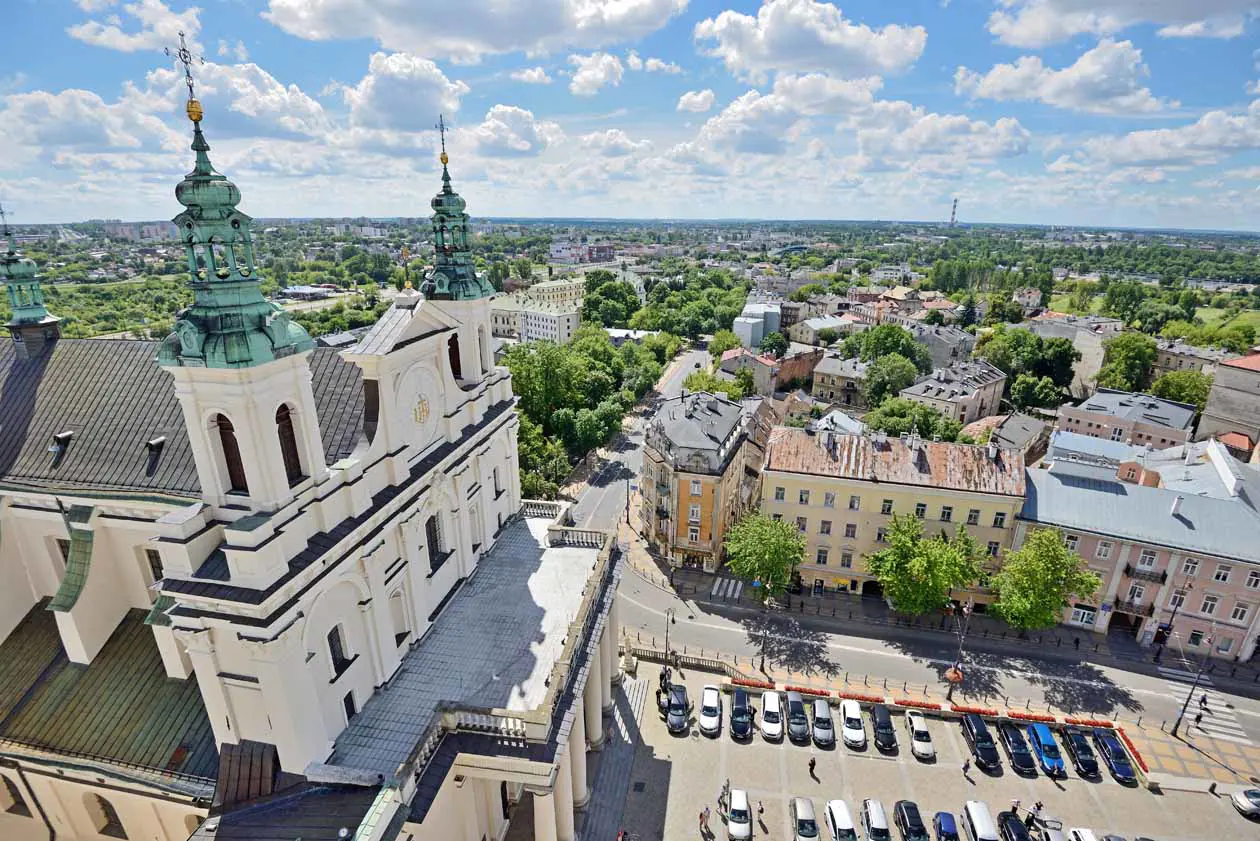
(256, 589)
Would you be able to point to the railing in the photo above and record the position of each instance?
(1136, 608)
(540, 508)
(1160, 577)
(487, 722)
(592, 538)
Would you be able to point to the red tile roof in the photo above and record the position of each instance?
(1249, 363)
(1236, 441)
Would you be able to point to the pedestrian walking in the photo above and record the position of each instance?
(1076, 641)
(705, 818)
(1203, 701)
(1198, 718)
(966, 766)
(1015, 805)
(1030, 820)
(761, 809)
(812, 762)
(701, 823)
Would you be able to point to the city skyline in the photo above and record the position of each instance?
(1029, 111)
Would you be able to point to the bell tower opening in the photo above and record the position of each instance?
(231, 455)
(288, 445)
(452, 352)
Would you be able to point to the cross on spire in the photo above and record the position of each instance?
(441, 127)
(4, 222)
(185, 57)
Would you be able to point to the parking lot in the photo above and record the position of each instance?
(685, 773)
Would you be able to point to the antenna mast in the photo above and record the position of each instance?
(953, 214)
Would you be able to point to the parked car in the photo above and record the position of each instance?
(909, 821)
(1247, 802)
(874, 821)
(1017, 751)
(804, 824)
(1046, 828)
(852, 728)
(839, 821)
(772, 716)
(1041, 740)
(1110, 837)
(1082, 754)
(976, 733)
(797, 718)
(1078, 833)
(711, 711)
(1011, 828)
(945, 827)
(824, 732)
(739, 818)
(885, 733)
(978, 822)
(677, 709)
(1113, 753)
(920, 738)
(741, 715)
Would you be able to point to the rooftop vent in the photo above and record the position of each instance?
(60, 443)
(1176, 505)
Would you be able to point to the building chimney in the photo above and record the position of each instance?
(993, 448)
(1176, 505)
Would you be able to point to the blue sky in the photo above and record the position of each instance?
(1095, 112)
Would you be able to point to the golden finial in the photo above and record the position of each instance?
(407, 284)
(185, 57)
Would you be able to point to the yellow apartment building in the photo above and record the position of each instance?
(701, 458)
(841, 491)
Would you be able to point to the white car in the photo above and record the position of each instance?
(920, 739)
(772, 716)
(1247, 802)
(852, 728)
(739, 818)
(710, 711)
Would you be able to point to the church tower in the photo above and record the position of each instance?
(240, 363)
(33, 329)
(454, 286)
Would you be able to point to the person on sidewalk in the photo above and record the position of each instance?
(704, 818)
(1198, 720)
(966, 766)
(812, 763)
(1076, 641)
(1203, 701)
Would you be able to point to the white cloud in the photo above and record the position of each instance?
(806, 35)
(474, 28)
(697, 101)
(818, 94)
(509, 131)
(1210, 139)
(613, 143)
(1036, 23)
(651, 65)
(402, 92)
(77, 119)
(159, 27)
(236, 51)
(593, 72)
(895, 130)
(531, 76)
(1104, 80)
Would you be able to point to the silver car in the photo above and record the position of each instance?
(824, 732)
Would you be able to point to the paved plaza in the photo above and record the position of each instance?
(675, 777)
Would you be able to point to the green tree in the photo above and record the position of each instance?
(886, 377)
(968, 316)
(807, 291)
(1039, 579)
(765, 550)
(917, 573)
(1127, 361)
(746, 381)
(597, 278)
(774, 343)
(934, 318)
(885, 339)
(898, 414)
(705, 381)
(827, 336)
(1122, 300)
(523, 268)
(1184, 386)
(722, 341)
(1028, 391)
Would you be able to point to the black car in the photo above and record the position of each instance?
(1011, 828)
(741, 715)
(1017, 751)
(1082, 754)
(885, 733)
(677, 709)
(909, 821)
(1113, 753)
(976, 732)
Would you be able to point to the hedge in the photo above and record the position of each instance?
(754, 684)
(1089, 722)
(1133, 750)
(923, 705)
(806, 690)
(858, 696)
(959, 708)
(1023, 716)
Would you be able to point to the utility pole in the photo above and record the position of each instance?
(954, 674)
(1198, 677)
(953, 214)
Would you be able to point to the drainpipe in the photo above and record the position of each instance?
(52, 833)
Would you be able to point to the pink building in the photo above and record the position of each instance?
(1130, 417)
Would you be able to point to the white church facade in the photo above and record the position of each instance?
(260, 584)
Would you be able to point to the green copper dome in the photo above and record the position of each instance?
(454, 276)
(21, 282)
(230, 324)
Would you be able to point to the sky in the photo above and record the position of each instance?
(1142, 113)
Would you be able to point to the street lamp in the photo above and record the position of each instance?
(669, 620)
(954, 674)
(1159, 650)
(1198, 677)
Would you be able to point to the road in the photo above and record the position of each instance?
(823, 644)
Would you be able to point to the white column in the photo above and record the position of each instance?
(565, 830)
(614, 626)
(577, 756)
(605, 673)
(544, 816)
(591, 698)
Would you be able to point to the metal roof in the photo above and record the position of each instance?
(699, 421)
(1140, 408)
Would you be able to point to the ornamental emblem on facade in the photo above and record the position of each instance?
(420, 413)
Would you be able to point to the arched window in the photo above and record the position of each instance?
(104, 816)
(452, 352)
(231, 455)
(11, 799)
(288, 445)
(483, 352)
(433, 537)
(398, 617)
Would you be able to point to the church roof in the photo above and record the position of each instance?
(114, 399)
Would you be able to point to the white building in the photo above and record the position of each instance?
(285, 586)
(540, 322)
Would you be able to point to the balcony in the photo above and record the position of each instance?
(662, 513)
(1159, 577)
(662, 489)
(1135, 608)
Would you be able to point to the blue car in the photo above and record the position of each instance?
(1041, 740)
(1114, 754)
(945, 827)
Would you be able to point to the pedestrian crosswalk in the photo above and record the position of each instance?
(726, 588)
(1218, 720)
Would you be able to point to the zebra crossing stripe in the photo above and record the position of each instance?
(739, 590)
(1181, 674)
(717, 584)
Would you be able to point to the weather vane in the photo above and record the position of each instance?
(4, 221)
(185, 57)
(441, 127)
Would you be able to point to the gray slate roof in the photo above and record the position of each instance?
(1017, 430)
(1063, 442)
(1140, 408)
(113, 396)
(699, 421)
(961, 379)
(834, 365)
(1074, 496)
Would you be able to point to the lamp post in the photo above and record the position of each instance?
(669, 620)
(1197, 677)
(1159, 650)
(954, 674)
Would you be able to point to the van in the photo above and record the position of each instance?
(840, 826)
(977, 823)
(804, 824)
(874, 821)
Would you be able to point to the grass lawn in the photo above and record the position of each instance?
(1059, 303)
(1213, 315)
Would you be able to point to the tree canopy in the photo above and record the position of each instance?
(775, 344)
(1039, 579)
(885, 377)
(1127, 361)
(1018, 351)
(1028, 391)
(897, 415)
(1184, 386)
(707, 381)
(884, 339)
(765, 550)
(722, 341)
(917, 573)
